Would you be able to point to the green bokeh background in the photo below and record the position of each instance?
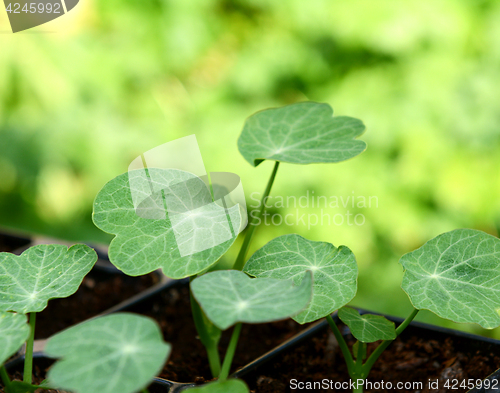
(82, 96)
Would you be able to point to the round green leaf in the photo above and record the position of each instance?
(367, 328)
(457, 276)
(302, 133)
(228, 386)
(230, 296)
(14, 332)
(116, 353)
(40, 273)
(334, 271)
(145, 238)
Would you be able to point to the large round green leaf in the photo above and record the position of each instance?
(40, 273)
(116, 353)
(302, 133)
(141, 218)
(334, 271)
(14, 331)
(230, 296)
(457, 276)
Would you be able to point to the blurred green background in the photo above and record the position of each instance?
(82, 96)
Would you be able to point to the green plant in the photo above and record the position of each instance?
(14, 332)
(120, 352)
(130, 346)
(144, 240)
(455, 275)
(27, 282)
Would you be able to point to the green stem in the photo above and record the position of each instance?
(213, 359)
(209, 335)
(357, 388)
(378, 351)
(357, 372)
(228, 359)
(4, 376)
(361, 352)
(145, 391)
(28, 358)
(343, 345)
(255, 221)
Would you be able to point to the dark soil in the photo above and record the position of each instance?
(188, 361)
(99, 291)
(171, 308)
(413, 357)
(417, 356)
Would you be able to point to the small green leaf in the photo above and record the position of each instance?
(302, 133)
(457, 276)
(230, 296)
(367, 328)
(116, 353)
(334, 271)
(164, 223)
(228, 386)
(14, 332)
(40, 273)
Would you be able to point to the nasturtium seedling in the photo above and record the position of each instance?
(153, 214)
(117, 353)
(227, 386)
(334, 271)
(14, 332)
(302, 133)
(230, 296)
(164, 219)
(367, 328)
(40, 273)
(457, 276)
(144, 234)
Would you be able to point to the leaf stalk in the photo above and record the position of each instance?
(210, 340)
(255, 219)
(228, 359)
(378, 351)
(28, 358)
(4, 376)
(343, 345)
